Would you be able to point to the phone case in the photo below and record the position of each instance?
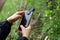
(26, 18)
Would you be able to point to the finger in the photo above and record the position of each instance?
(22, 27)
(29, 27)
(21, 12)
(19, 16)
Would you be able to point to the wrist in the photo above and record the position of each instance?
(10, 21)
(25, 36)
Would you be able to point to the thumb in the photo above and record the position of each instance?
(22, 27)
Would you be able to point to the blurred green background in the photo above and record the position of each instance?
(46, 17)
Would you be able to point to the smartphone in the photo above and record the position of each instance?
(26, 18)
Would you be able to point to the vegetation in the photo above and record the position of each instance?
(46, 18)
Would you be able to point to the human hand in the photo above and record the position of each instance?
(25, 31)
(15, 16)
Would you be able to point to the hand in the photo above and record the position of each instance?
(15, 16)
(25, 31)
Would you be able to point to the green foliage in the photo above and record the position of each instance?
(48, 22)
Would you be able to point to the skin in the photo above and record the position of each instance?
(25, 31)
(16, 16)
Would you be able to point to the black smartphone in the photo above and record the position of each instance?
(26, 18)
